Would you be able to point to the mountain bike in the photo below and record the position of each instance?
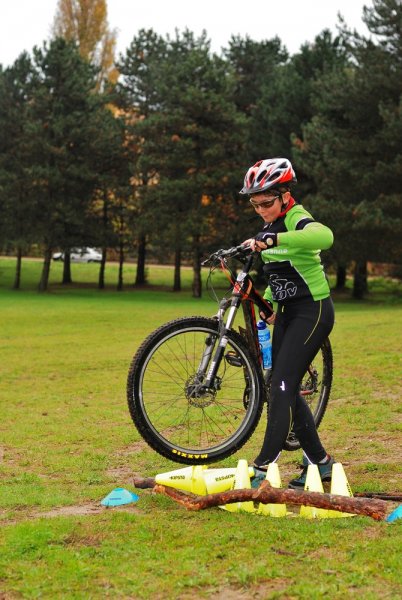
(196, 387)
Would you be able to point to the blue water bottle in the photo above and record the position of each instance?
(264, 338)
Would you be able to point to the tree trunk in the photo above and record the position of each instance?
(101, 280)
(197, 284)
(177, 264)
(44, 280)
(140, 278)
(340, 277)
(121, 262)
(17, 280)
(360, 280)
(67, 268)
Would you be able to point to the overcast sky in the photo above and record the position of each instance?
(26, 23)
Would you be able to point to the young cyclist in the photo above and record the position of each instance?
(290, 242)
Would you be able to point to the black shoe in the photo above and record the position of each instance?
(325, 470)
(260, 475)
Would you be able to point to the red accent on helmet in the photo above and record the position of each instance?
(268, 173)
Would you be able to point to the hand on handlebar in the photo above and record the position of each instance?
(262, 241)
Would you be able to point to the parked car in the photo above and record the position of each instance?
(83, 255)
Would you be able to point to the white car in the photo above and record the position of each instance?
(83, 255)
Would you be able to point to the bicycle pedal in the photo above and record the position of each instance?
(233, 359)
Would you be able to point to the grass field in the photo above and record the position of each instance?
(66, 440)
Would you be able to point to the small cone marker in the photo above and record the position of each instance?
(221, 480)
(396, 514)
(119, 496)
(189, 479)
(274, 478)
(241, 482)
(313, 484)
(341, 487)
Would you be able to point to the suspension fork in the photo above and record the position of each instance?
(223, 340)
(211, 340)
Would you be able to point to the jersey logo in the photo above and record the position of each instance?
(282, 288)
(282, 386)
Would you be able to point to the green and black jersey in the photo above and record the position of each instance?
(294, 266)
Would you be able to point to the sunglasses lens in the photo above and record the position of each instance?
(264, 204)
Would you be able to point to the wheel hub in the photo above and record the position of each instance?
(197, 394)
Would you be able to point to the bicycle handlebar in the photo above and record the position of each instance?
(234, 252)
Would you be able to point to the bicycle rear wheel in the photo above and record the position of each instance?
(173, 414)
(316, 388)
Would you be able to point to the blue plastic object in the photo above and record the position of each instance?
(396, 514)
(119, 496)
(264, 338)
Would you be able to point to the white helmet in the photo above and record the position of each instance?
(268, 173)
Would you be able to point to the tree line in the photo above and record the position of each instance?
(149, 161)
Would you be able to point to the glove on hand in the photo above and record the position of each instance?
(269, 239)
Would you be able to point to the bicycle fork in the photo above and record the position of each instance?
(211, 377)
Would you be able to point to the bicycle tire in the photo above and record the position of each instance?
(318, 403)
(185, 429)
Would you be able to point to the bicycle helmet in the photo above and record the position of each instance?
(267, 174)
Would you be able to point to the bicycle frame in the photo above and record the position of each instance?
(244, 294)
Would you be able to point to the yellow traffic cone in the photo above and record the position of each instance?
(341, 487)
(313, 484)
(274, 478)
(221, 480)
(241, 482)
(189, 479)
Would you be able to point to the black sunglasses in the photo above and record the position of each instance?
(264, 203)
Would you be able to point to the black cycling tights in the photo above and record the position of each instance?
(300, 328)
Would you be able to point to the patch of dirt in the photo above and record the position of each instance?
(123, 474)
(79, 510)
(67, 511)
(259, 591)
(133, 448)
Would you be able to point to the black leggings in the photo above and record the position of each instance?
(300, 328)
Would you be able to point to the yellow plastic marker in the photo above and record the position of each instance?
(341, 487)
(274, 478)
(241, 482)
(221, 480)
(189, 479)
(313, 484)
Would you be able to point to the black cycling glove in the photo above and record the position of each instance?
(269, 239)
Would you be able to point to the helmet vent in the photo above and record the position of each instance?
(261, 175)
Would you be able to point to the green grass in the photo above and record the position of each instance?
(66, 440)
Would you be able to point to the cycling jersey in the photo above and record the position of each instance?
(305, 317)
(294, 267)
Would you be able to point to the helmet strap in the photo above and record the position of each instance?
(289, 205)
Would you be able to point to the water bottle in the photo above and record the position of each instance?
(264, 338)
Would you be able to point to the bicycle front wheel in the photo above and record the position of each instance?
(173, 413)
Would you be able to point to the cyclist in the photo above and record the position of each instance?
(290, 242)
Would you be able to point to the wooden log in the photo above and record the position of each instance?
(144, 482)
(390, 496)
(374, 508)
